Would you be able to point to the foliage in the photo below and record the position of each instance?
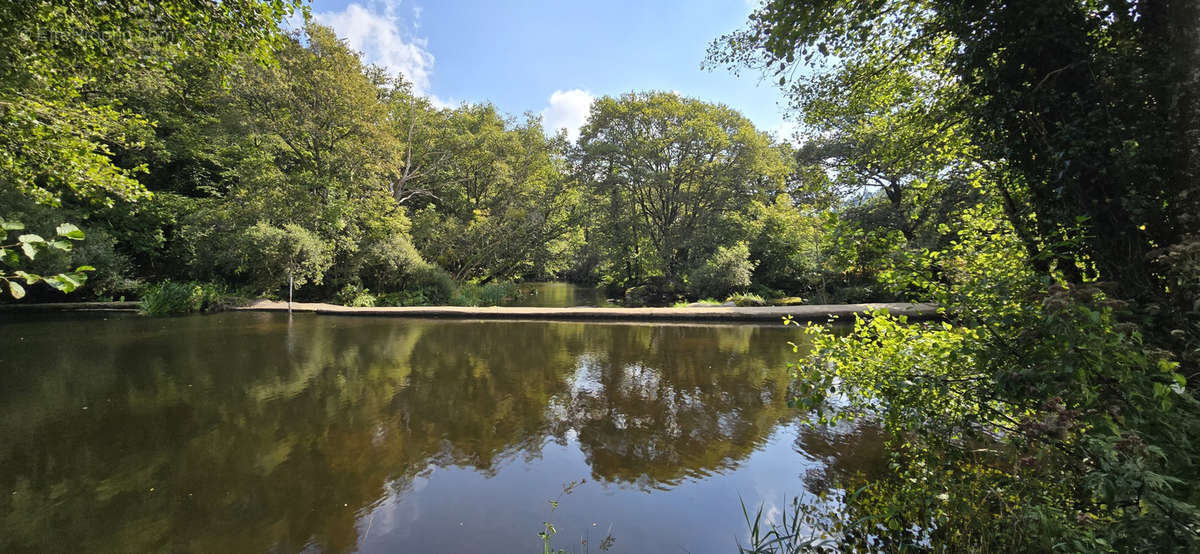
(746, 299)
(269, 256)
(703, 301)
(433, 284)
(502, 205)
(667, 191)
(30, 245)
(355, 297)
(491, 294)
(56, 130)
(728, 269)
(785, 242)
(1052, 410)
(811, 527)
(174, 298)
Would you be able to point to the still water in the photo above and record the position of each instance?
(254, 432)
(558, 295)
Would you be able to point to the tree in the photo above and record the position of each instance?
(1079, 115)
(671, 169)
(502, 197)
(272, 257)
(55, 132)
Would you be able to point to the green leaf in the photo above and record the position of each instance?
(16, 290)
(29, 244)
(83, 268)
(70, 231)
(29, 278)
(10, 257)
(61, 283)
(30, 249)
(75, 279)
(11, 225)
(60, 245)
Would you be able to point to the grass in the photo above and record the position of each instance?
(811, 527)
(788, 301)
(173, 298)
(706, 301)
(491, 294)
(747, 300)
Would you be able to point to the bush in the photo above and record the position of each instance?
(267, 255)
(432, 283)
(747, 300)
(727, 270)
(491, 294)
(354, 296)
(658, 291)
(171, 298)
(403, 298)
(494, 294)
(388, 263)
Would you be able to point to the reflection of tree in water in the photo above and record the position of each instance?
(258, 436)
(850, 452)
(659, 404)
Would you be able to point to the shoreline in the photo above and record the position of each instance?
(814, 312)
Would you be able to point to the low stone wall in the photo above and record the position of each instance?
(71, 307)
(713, 313)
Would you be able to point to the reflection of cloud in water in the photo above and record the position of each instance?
(306, 434)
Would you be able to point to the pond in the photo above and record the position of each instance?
(558, 295)
(257, 432)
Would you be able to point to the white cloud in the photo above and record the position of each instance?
(568, 110)
(785, 132)
(382, 37)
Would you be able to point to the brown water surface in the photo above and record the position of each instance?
(256, 432)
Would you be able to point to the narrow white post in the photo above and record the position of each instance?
(290, 287)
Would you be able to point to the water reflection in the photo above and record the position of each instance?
(558, 295)
(253, 432)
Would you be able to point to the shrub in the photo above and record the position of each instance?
(706, 301)
(171, 298)
(432, 283)
(727, 270)
(494, 294)
(403, 298)
(747, 300)
(388, 263)
(267, 255)
(354, 296)
(491, 294)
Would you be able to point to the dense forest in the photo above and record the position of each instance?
(1031, 167)
(298, 160)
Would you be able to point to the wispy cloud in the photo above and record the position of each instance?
(385, 39)
(568, 109)
(786, 132)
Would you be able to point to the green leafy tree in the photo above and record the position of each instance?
(503, 198)
(671, 169)
(271, 257)
(1055, 407)
(55, 133)
(728, 270)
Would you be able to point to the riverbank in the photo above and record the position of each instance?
(708, 313)
(71, 307)
(816, 312)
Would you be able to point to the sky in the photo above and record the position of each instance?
(552, 57)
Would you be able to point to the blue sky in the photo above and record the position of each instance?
(552, 57)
